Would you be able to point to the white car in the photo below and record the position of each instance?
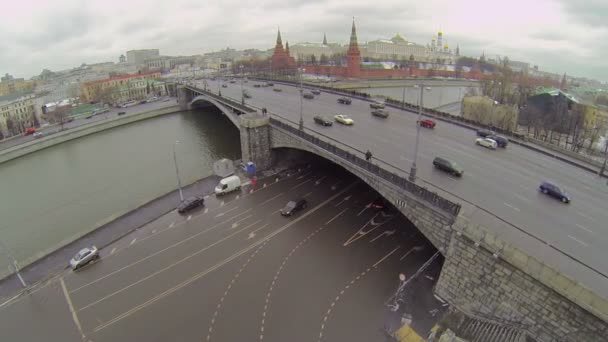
(486, 142)
(344, 119)
(37, 135)
(85, 256)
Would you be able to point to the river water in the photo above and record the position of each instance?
(53, 195)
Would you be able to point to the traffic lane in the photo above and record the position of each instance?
(43, 315)
(175, 240)
(209, 256)
(246, 297)
(325, 271)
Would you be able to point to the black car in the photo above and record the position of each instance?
(122, 113)
(381, 113)
(484, 133)
(448, 166)
(190, 203)
(224, 86)
(345, 100)
(270, 84)
(308, 96)
(316, 92)
(554, 191)
(323, 121)
(257, 85)
(500, 141)
(293, 206)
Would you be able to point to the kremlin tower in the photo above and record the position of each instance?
(353, 55)
(281, 61)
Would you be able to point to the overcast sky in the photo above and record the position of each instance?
(558, 35)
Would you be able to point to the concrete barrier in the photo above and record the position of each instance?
(78, 132)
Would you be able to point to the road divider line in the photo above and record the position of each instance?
(225, 212)
(521, 197)
(299, 185)
(168, 267)
(584, 228)
(271, 198)
(335, 217)
(236, 223)
(158, 252)
(386, 256)
(218, 265)
(579, 241)
(113, 250)
(133, 241)
(510, 206)
(68, 299)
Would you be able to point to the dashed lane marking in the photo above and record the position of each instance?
(113, 250)
(584, 228)
(335, 217)
(226, 212)
(512, 207)
(133, 241)
(579, 241)
(271, 198)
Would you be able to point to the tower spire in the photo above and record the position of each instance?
(324, 39)
(287, 47)
(279, 37)
(353, 36)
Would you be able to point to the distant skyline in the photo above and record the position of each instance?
(559, 36)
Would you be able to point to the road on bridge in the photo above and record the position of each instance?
(236, 270)
(504, 181)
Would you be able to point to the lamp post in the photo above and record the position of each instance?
(301, 102)
(13, 261)
(179, 183)
(404, 92)
(242, 93)
(219, 84)
(605, 156)
(413, 169)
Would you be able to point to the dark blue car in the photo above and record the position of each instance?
(554, 191)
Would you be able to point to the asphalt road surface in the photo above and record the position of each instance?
(83, 121)
(503, 181)
(236, 270)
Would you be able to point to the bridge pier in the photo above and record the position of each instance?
(184, 97)
(256, 140)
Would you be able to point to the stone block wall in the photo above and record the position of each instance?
(255, 140)
(475, 280)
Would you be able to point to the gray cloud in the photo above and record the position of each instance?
(588, 12)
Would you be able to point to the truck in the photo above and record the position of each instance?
(228, 184)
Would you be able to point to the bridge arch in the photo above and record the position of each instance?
(205, 101)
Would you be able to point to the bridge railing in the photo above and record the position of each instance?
(421, 193)
(230, 102)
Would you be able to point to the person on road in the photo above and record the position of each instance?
(368, 155)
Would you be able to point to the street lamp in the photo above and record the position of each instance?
(13, 261)
(179, 183)
(242, 93)
(605, 156)
(404, 90)
(219, 84)
(413, 169)
(301, 96)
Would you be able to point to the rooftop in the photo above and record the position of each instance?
(123, 77)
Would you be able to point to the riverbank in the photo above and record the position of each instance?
(80, 131)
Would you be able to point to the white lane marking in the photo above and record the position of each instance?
(236, 223)
(133, 241)
(153, 231)
(226, 212)
(113, 250)
(384, 233)
(510, 206)
(238, 196)
(189, 218)
(252, 234)
(584, 228)
(318, 181)
(521, 197)
(222, 203)
(579, 241)
(299, 185)
(406, 159)
(386, 256)
(304, 175)
(344, 199)
(219, 264)
(585, 216)
(271, 198)
(308, 194)
(335, 217)
(206, 210)
(172, 224)
(68, 299)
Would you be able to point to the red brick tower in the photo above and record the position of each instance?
(353, 55)
(280, 60)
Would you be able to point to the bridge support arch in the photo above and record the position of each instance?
(256, 139)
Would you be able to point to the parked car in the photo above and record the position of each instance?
(257, 85)
(345, 100)
(484, 133)
(486, 142)
(190, 203)
(427, 123)
(84, 256)
(316, 92)
(30, 130)
(294, 206)
(448, 166)
(224, 86)
(377, 105)
(228, 184)
(37, 135)
(246, 94)
(121, 113)
(500, 141)
(323, 121)
(269, 84)
(344, 119)
(381, 113)
(232, 81)
(277, 89)
(308, 96)
(554, 191)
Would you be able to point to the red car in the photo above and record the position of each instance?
(29, 131)
(428, 123)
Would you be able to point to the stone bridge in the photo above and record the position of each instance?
(481, 275)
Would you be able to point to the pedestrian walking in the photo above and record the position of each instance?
(368, 155)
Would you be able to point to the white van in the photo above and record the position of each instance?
(228, 184)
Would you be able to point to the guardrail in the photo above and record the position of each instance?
(422, 193)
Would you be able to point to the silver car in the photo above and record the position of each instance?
(85, 256)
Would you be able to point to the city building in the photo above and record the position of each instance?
(165, 63)
(138, 57)
(302, 52)
(400, 49)
(122, 88)
(10, 85)
(16, 114)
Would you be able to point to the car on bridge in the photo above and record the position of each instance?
(323, 121)
(37, 135)
(345, 100)
(30, 130)
(377, 105)
(486, 142)
(309, 96)
(427, 123)
(448, 166)
(500, 141)
(257, 85)
(485, 133)
(190, 203)
(278, 90)
(555, 191)
(344, 119)
(246, 94)
(316, 91)
(294, 206)
(380, 113)
(269, 84)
